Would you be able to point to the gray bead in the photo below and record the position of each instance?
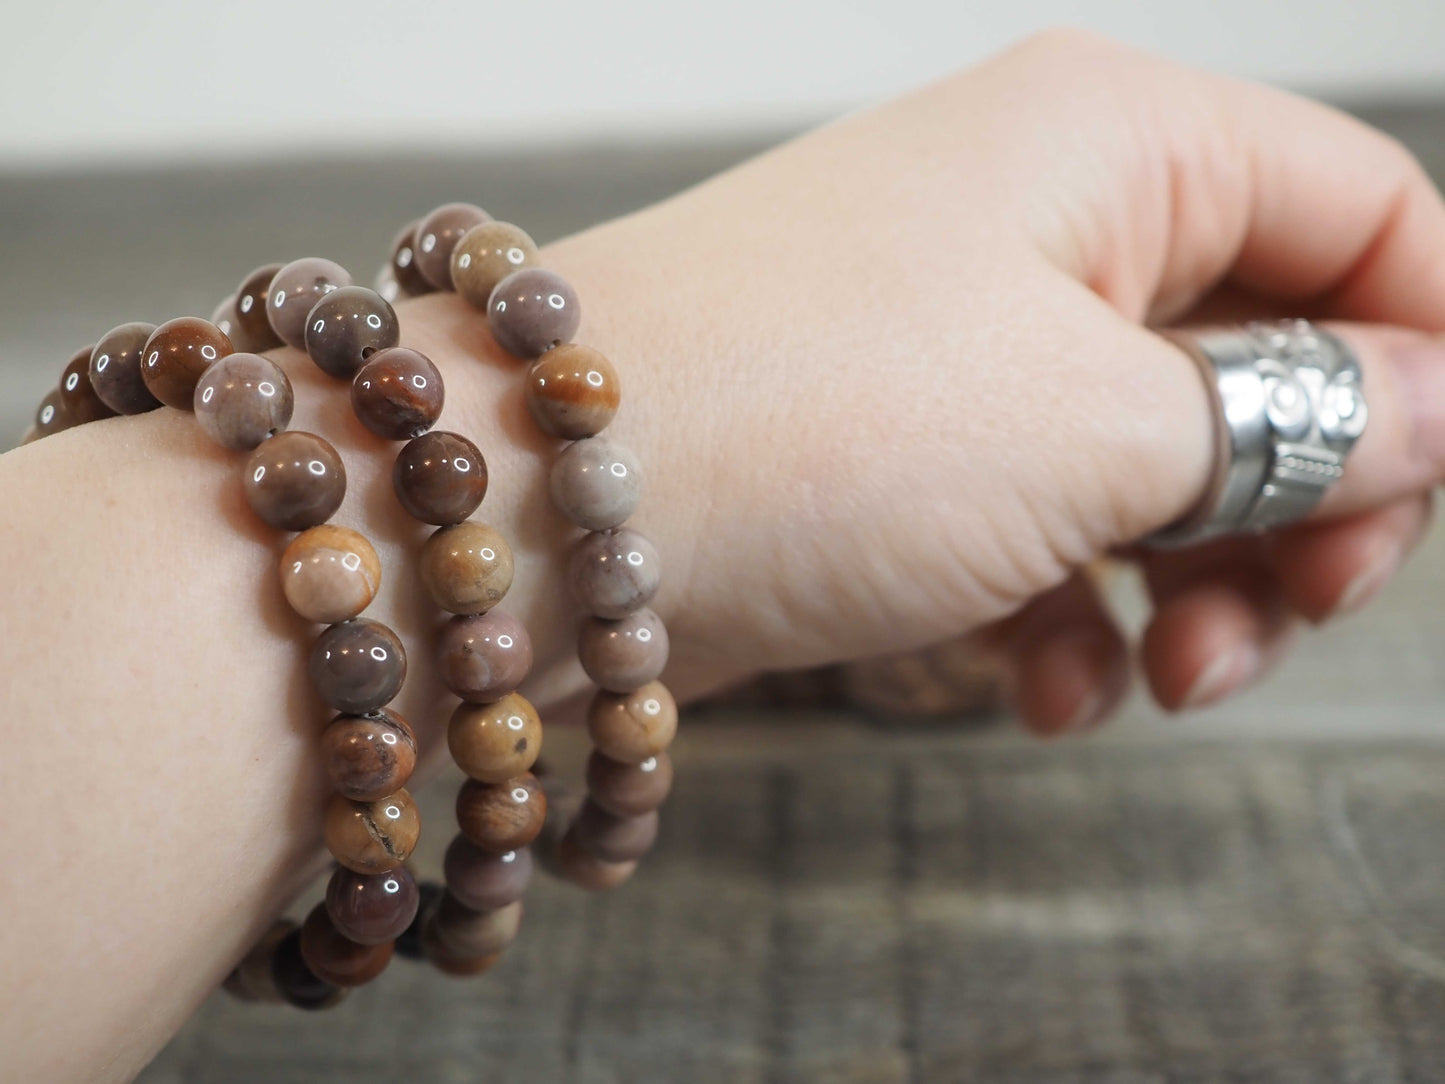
(596, 483)
(613, 573)
(533, 310)
(622, 655)
(243, 399)
(295, 289)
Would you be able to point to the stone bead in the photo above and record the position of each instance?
(115, 369)
(485, 255)
(242, 400)
(298, 985)
(176, 355)
(631, 727)
(494, 742)
(483, 880)
(80, 398)
(441, 957)
(624, 654)
(437, 234)
(357, 666)
(403, 263)
(329, 574)
(467, 568)
(224, 317)
(614, 573)
(372, 837)
(372, 908)
(471, 934)
(398, 393)
(572, 392)
(335, 958)
(612, 838)
(573, 863)
(385, 285)
(348, 326)
(294, 480)
(294, 289)
(531, 311)
(440, 478)
(483, 657)
(408, 942)
(368, 757)
(596, 483)
(252, 978)
(51, 415)
(253, 327)
(502, 817)
(628, 790)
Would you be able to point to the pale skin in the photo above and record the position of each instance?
(892, 383)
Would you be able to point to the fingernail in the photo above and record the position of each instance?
(1224, 673)
(1368, 582)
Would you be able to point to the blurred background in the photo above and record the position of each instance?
(865, 874)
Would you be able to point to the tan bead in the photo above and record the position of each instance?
(502, 817)
(623, 654)
(448, 963)
(330, 573)
(467, 568)
(585, 871)
(473, 934)
(630, 727)
(485, 255)
(495, 742)
(572, 392)
(372, 837)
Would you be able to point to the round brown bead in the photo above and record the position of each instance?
(628, 790)
(335, 958)
(612, 838)
(440, 478)
(298, 985)
(294, 480)
(252, 977)
(484, 880)
(494, 742)
(596, 483)
(502, 817)
(531, 311)
(176, 355)
(623, 654)
(243, 399)
(588, 871)
(357, 666)
(294, 289)
(329, 574)
(467, 568)
(437, 234)
(398, 393)
(572, 392)
(472, 934)
(368, 756)
(81, 400)
(614, 573)
(402, 264)
(448, 963)
(483, 657)
(630, 727)
(51, 415)
(372, 837)
(224, 317)
(372, 908)
(485, 255)
(348, 326)
(253, 327)
(115, 369)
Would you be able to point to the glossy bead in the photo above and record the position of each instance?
(470, 934)
(531, 311)
(329, 574)
(440, 478)
(572, 392)
(81, 400)
(628, 790)
(253, 327)
(437, 234)
(398, 393)
(587, 871)
(596, 483)
(494, 742)
(485, 255)
(408, 942)
(372, 837)
(483, 657)
(224, 317)
(115, 369)
(294, 480)
(484, 880)
(51, 415)
(176, 355)
(242, 400)
(502, 817)
(385, 285)
(624, 654)
(467, 568)
(441, 956)
(372, 908)
(348, 326)
(631, 727)
(368, 757)
(294, 289)
(335, 958)
(357, 666)
(298, 985)
(614, 573)
(612, 838)
(403, 263)
(253, 977)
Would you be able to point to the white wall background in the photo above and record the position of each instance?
(184, 79)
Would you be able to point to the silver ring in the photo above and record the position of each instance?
(1288, 407)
